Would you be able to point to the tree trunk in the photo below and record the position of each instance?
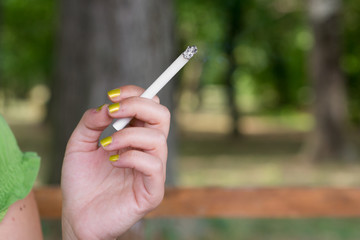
(328, 139)
(103, 45)
(234, 9)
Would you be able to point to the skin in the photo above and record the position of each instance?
(22, 220)
(103, 199)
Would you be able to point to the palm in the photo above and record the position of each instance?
(101, 188)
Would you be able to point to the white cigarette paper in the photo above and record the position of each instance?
(161, 81)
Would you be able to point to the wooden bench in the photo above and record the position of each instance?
(236, 203)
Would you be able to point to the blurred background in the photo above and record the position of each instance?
(271, 98)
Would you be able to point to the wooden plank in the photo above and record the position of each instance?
(49, 200)
(260, 203)
(238, 203)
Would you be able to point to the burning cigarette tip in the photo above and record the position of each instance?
(190, 52)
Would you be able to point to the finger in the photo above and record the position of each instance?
(150, 166)
(153, 114)
(120, 93)
(152, 141)
(87, 133)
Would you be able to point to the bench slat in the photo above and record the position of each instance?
(236, 203)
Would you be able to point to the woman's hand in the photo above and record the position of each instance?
(107, 189)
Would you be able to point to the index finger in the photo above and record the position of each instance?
(120, 93)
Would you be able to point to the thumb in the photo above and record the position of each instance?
(87, 133)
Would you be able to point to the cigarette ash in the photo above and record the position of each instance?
(190, 52)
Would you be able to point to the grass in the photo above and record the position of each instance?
(258, 160)
(253, 229)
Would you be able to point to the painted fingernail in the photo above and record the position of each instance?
(114, 93)
(114, 158)
(99, 108)
(106, 141)
(114, 107)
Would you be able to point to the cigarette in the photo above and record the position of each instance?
(161, 81)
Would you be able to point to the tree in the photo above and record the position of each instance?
(328, 82)
(103, 45)
(234, 10)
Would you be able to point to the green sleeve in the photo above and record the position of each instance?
(18, 170)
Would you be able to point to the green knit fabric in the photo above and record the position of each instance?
(18, 170)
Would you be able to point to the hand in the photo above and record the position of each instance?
(102, 198)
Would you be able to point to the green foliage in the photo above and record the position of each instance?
(269, 46)
(351, 58)
(27, 43)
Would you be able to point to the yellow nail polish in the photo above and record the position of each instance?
(114, 158)
(114, 107)
(106, 141)
(114, 93)
(99, 108)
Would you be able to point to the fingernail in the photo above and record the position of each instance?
(114, 158)
(114, 93)
(114, 107)
(106, 141)
(99, 108)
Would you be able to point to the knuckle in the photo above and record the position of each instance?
(155, 199)
(157, 167)
(157, 99)
(161, 139)
(158, 199)
(166, 113)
